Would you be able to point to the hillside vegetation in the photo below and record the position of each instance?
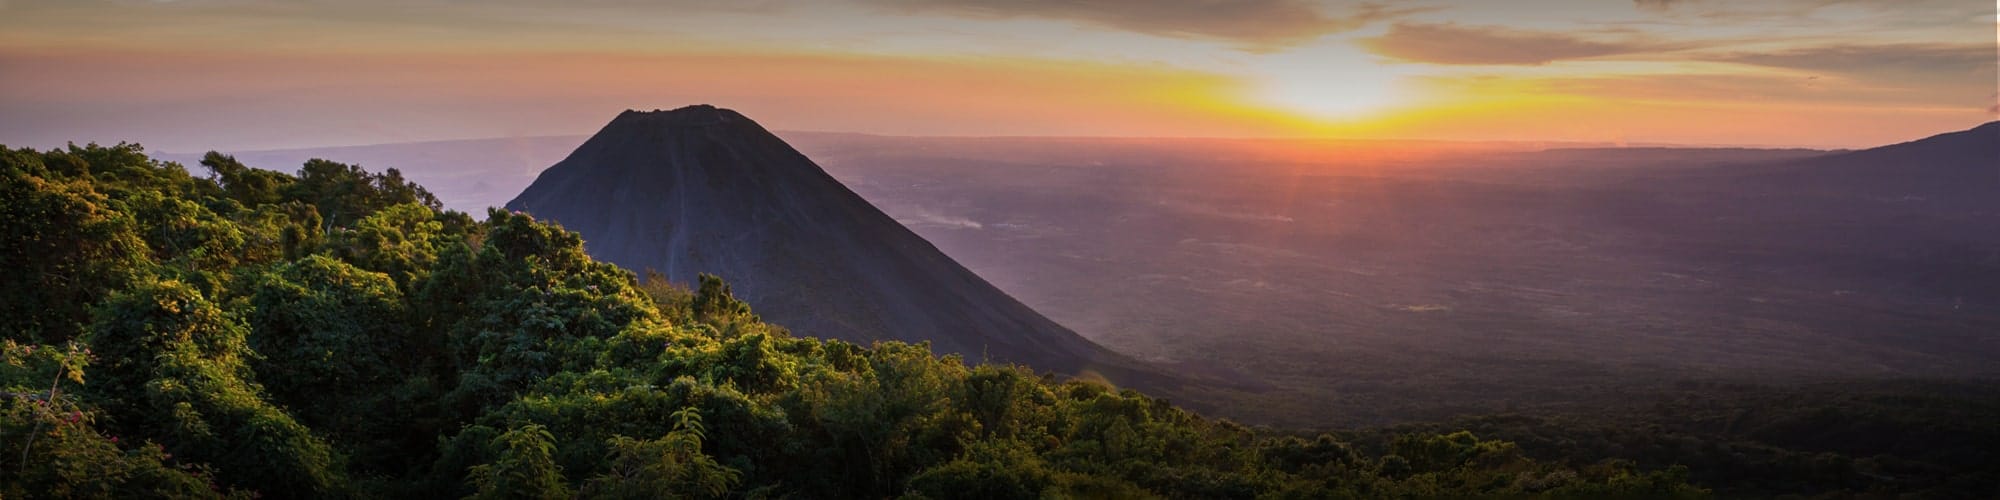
(332, 333)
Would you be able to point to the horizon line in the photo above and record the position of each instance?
(1549, 144)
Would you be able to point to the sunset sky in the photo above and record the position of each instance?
(190, 75)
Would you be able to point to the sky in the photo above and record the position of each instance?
(195, 75)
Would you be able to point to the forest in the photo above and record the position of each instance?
(334, 333)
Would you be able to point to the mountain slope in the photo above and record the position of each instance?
(1953, 169)
(706, 190)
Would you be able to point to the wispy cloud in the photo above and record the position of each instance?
(1886, 61)
(1656, 5)
(1255, 24)
(1745, 88)
(1854, 70)
(1927, 71)
(1451, 43)
(1883, 11)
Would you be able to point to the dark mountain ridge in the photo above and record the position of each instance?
(706, 190)
(1953, 170)
(1956, 168)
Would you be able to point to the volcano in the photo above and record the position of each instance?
(702, 189)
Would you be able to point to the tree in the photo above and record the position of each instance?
(345, 193)
(248, 186)
(997, 470)
(672, 466)
(525, 467)
(335, 345)
(61, 450)
(175, 371)
(64, 247)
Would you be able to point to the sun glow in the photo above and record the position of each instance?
(1333, 82)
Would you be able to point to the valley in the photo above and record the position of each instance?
(1352, 283)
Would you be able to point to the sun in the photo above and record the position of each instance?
(1329, 81)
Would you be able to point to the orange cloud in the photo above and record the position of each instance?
(247, 73)
(348, 98)
(1684, 109)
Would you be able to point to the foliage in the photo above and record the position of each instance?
(177, 375)
(63, 452)
(673, 463)
(67, 245)
(331, 333)
(522, 469)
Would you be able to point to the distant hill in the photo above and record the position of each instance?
(467, 175)
(706, 190)
(1954, 169)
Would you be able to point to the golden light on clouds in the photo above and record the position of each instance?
(195, 74)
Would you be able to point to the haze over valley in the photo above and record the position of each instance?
(1365, 282)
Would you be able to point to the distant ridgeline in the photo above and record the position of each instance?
(331, 333)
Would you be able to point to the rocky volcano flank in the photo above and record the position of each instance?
(706, 190)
